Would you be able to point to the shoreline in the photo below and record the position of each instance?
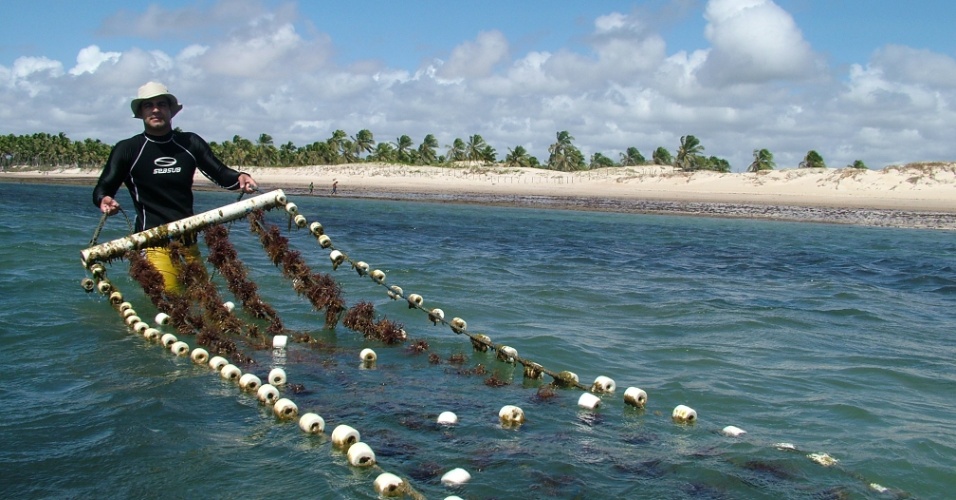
(915, 196)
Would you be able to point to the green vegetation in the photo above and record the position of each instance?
(43, 151)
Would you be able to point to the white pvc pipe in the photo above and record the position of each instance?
(162, 234)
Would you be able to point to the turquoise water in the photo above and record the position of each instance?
(836, 339)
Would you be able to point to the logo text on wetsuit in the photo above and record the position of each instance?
(166, 165)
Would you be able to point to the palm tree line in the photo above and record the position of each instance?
(41, 150)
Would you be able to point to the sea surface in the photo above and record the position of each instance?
(831, 339)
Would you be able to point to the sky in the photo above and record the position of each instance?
(870, 80)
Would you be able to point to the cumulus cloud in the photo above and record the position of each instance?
(476, 58)
(252, 69)
(755, 41)
(90, 58)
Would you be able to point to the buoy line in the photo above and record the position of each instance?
(386, 484)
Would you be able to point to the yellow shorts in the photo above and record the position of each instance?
(160, 259)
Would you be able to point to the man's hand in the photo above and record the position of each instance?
(246, 184)
(109, 206)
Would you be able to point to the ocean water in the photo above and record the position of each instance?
(834, 339)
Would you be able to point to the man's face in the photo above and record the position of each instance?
(156, 114)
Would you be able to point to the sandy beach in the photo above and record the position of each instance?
(916, 195)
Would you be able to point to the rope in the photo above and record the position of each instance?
(99, 227)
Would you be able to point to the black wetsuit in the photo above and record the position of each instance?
(158, 171)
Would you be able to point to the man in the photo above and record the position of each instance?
(157, 168)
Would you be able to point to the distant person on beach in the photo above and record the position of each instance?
(335, 186)
(311, 187)
(157, 167)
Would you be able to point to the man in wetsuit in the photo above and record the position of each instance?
(157, 168)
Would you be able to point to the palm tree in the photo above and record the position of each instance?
(456, 152)
(763, 160)
(631, 157)
(518, 157)
(403, 146)
(662, 156)
(688, 154)
(858, 164)
(426, 150)
(384, 152)
(598, 160)
(266, 152)
(475, 149)
(363, 142)
(563, 155)
(813, 160)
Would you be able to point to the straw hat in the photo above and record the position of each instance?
(151, 90)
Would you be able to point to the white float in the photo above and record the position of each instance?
(337, 258)
(129, 311)
(455, 477)
(140, 327)
(325, 241)
(199, 356)
(635, 396)
(389, 485)
(823, 459)
(277, 376)
(361, 455)
(250, 382)
(316, 229)
(217, 362)
(368, 356)
(732, 431)
(511, 414)
(507, 354)
(300, 220)
(603, 384)
(229, 305)
(285, 408)
(447, 418)
(280, 341)
(344, 436)
(267, 394)
(167, 339)
(312, 423)
(162, 319)
(589, 401)
(292, 208)
(378, 275)
(684, 414)
(151, 334)
(179, 348)
(415, 300)
(230, 372)
(132, 320)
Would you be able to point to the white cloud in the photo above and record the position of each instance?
(755, 41)
(476, 58)
(754, 83)
(91, 58)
